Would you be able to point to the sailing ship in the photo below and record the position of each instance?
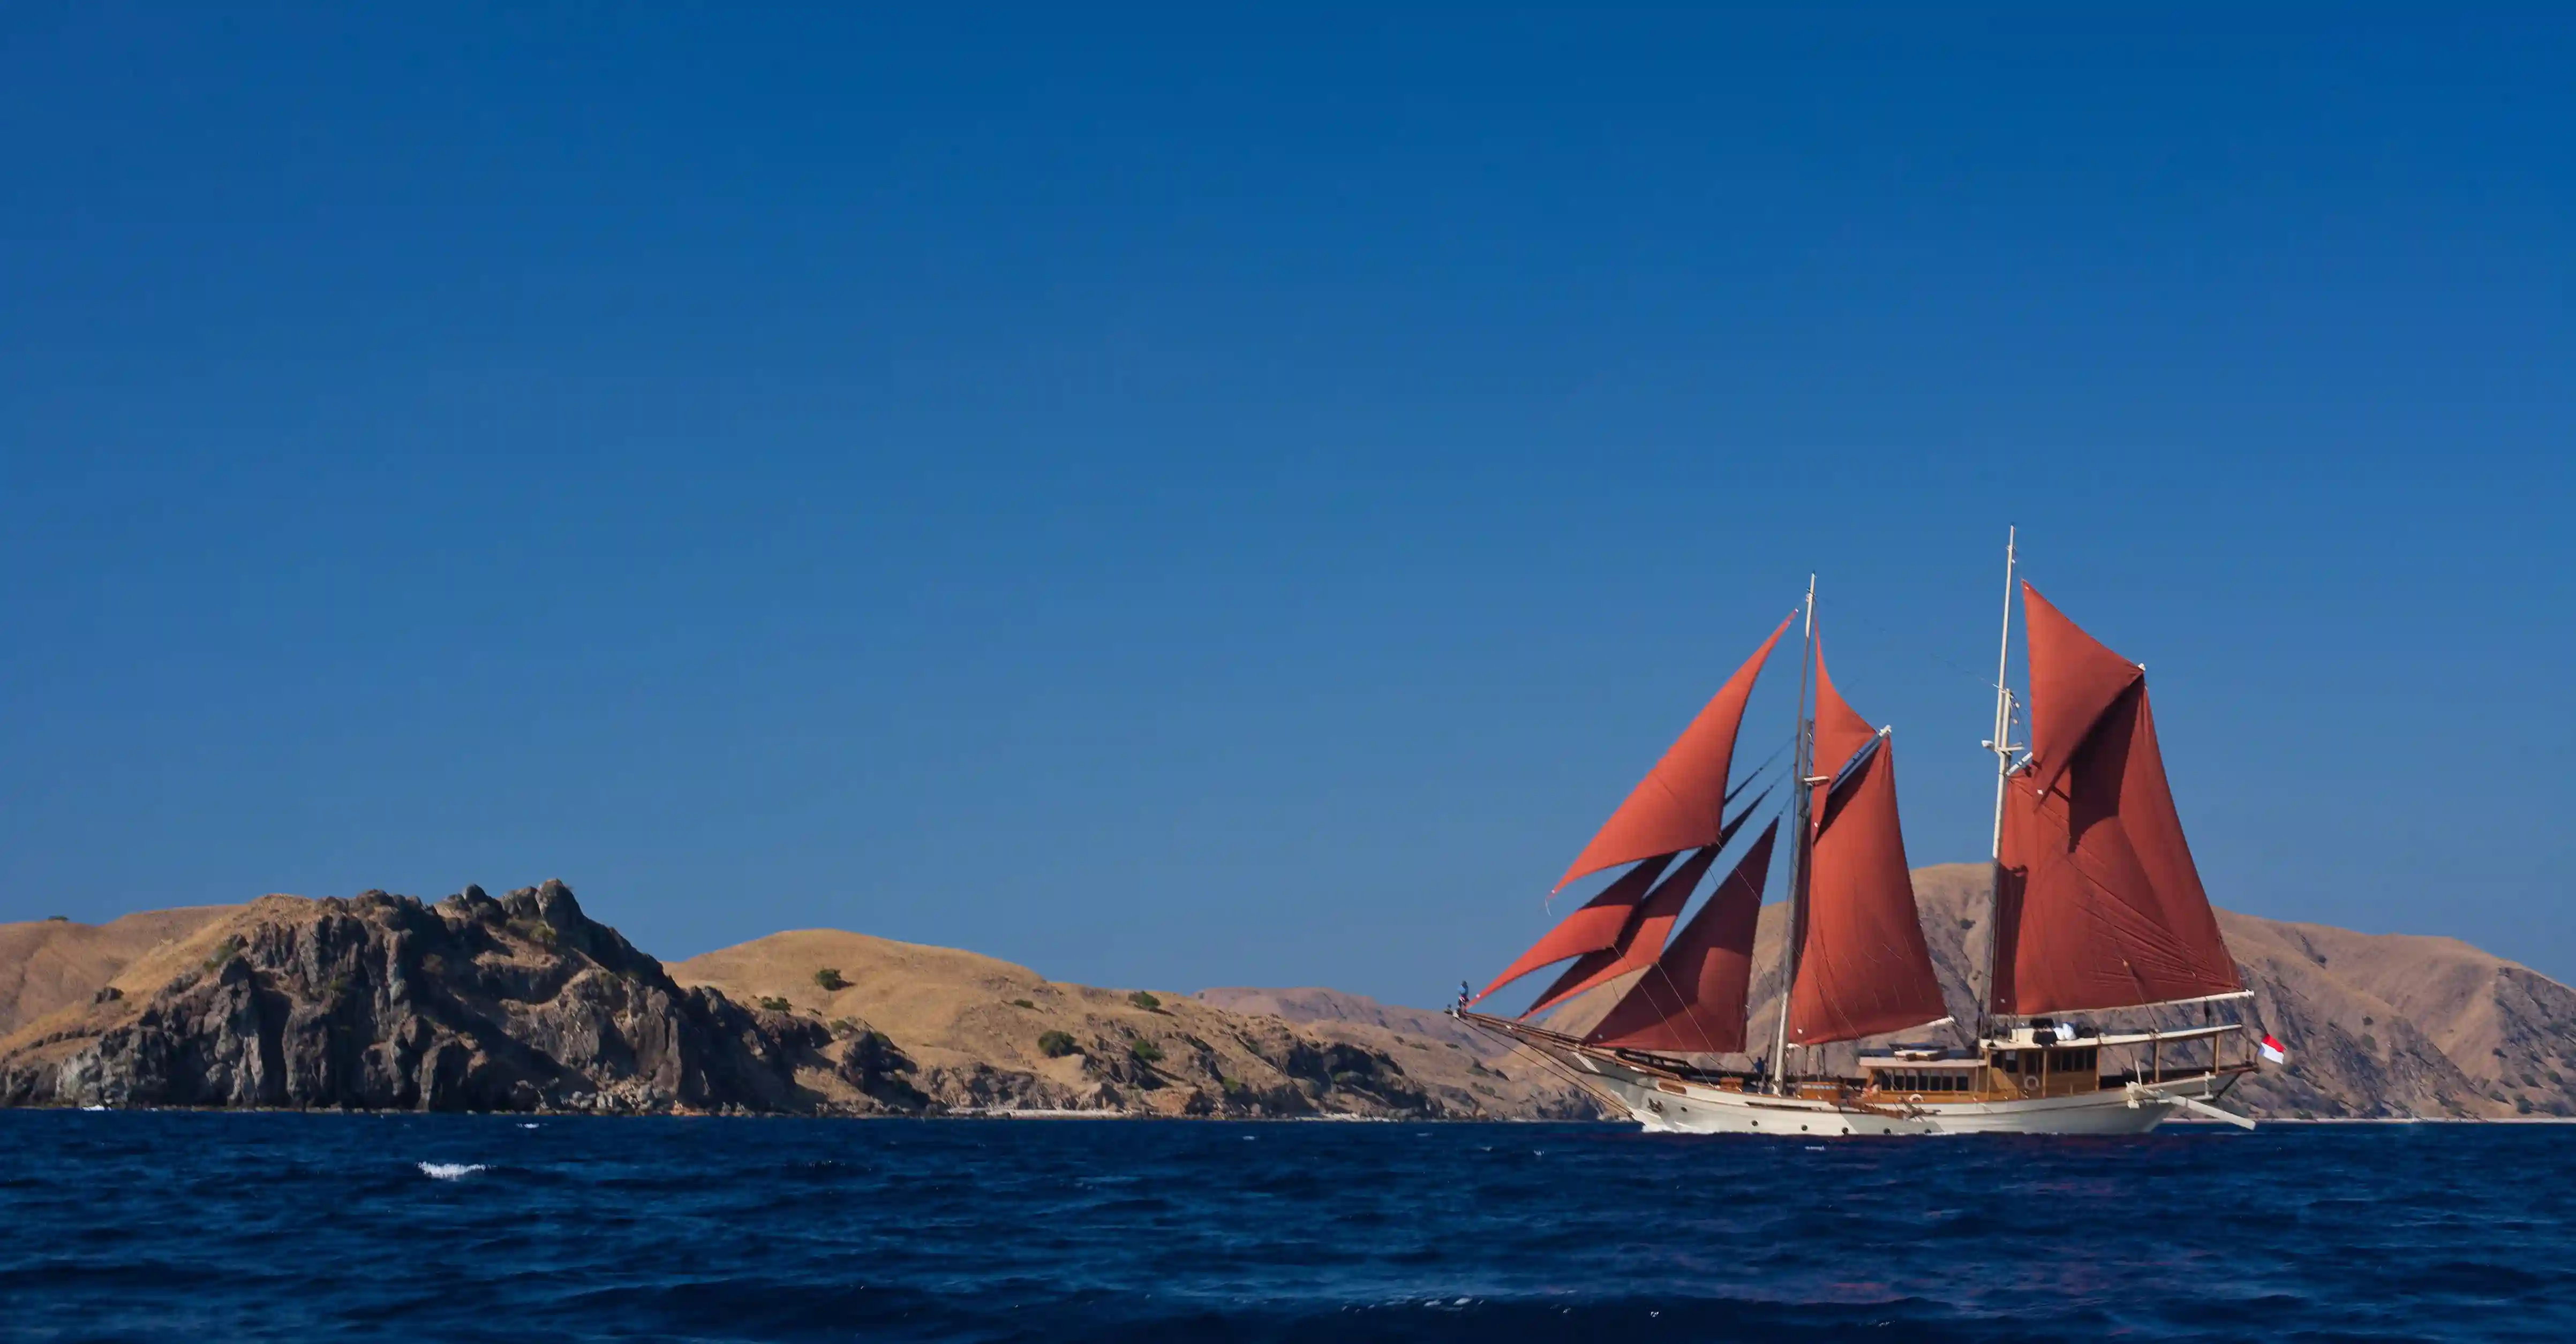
(2095, 907)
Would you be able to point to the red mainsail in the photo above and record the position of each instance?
(2098, 903)
(1862, 968)
(1681, 803)
(1594, 927)
(1692, 999)
(1639, 942)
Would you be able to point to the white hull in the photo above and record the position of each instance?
(1677, 1107)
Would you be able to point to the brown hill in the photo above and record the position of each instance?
(55, 963)
(1322, 1007)
(988, 1035)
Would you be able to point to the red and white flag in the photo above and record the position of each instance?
(2273, 1051)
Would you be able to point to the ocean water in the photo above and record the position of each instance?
(207, 1226)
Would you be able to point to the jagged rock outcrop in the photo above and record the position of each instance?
(383, 1002)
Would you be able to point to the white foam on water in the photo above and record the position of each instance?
(449, 1171)
(527, 1126)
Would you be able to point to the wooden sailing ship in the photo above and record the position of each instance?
(2097, 907)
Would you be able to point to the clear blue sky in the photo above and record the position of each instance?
(1175, 500)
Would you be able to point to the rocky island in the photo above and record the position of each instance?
(525, 1003)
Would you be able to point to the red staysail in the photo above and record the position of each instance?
(1693, 998)
(2099, 904)
(1862, 966)
(1681, 803)
(1594, 927)
(1639, 942)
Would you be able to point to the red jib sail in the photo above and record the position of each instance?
(1862, 968)
(1640, 941)
(1681, 803)
(1594, 927)
(2098, 902)
(1692, 999)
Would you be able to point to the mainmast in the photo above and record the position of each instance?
(2001, 744)
(1800, 788)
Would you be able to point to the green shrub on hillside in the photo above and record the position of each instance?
(1145, 1051)
(775, 1004)
(1056, 1045)
(1022, 1003)
(1146, 1001)
(829, 978)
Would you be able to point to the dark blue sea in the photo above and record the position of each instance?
(206, 1226)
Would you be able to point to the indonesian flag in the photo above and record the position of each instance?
(2273, 1051)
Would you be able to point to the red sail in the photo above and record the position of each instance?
(1862, 968)
(1594, 927)
(1840, 730)
(2073, 680)
(1681, 803)
(1639, 942)
(1693, 998)
(2098, 903)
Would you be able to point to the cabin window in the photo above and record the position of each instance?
(1923, 1081)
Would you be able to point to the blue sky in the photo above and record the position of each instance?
(1180, 500)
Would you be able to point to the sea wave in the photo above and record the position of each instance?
(449, 1171)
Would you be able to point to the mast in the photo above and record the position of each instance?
(1800, 787)
(2001, 745)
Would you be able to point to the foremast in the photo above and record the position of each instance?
(2002, 745)
(1802, 764)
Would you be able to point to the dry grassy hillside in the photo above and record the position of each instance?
(984, 1033)
(1328, 1007)
(52, 964)
(113, 998)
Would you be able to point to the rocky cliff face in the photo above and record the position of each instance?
(382, 1002)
